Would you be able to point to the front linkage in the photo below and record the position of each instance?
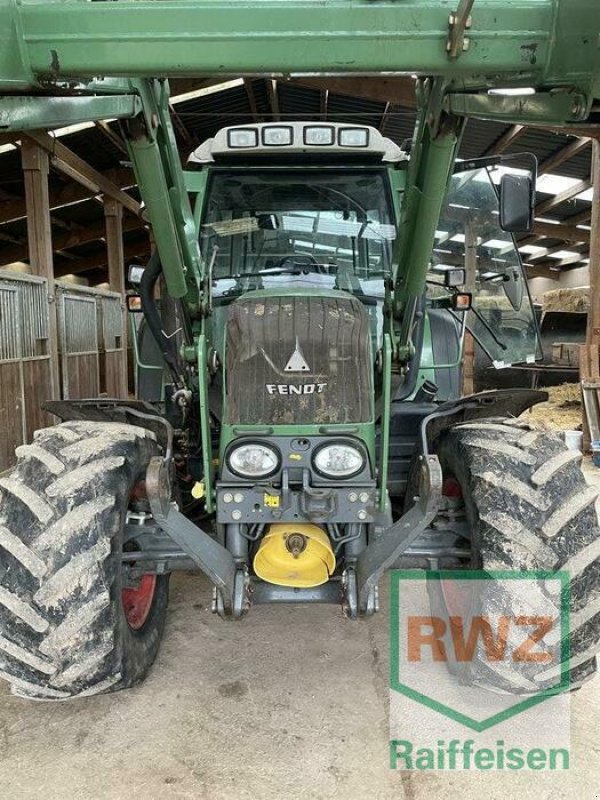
(235, 589)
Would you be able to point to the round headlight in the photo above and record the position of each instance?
(253, 460)
(338, 460)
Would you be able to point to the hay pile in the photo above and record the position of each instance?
(575, 299)
(562, 412)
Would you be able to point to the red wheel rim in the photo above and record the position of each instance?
(451, 488)
(138, 602)
(457, 596)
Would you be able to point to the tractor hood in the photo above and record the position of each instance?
(298, 359)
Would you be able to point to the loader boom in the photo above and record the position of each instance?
(64, 48)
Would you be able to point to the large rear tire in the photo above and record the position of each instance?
(68, 624)
(529, 507)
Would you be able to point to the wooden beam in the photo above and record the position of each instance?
(593, 320)
(562, 155)
(68, 239)
(562, 197)
(139, 247)
(252, 100)
(273, 99)
(39, 235)
(64, 159)
(14, 210)
(505, 141)
(385, 118)
(537, 272)
(564, 231)
(180, 128)
(567, 261)
(582, 217)
(180, 86)
(112, 137)
(585, 129)
(581, 249)
(324, 104)
(18, 240)
(113, 217)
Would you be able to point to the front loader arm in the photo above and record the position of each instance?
(433, 151)
(153, 149)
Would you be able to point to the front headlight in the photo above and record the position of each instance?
(253, 460)
(338, 460)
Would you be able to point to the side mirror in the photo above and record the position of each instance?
(517, 197)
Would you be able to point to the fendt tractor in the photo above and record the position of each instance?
(299, 426)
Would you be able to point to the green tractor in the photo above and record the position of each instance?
(300, 426)
(296, 450)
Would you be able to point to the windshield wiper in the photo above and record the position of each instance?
(489, 329)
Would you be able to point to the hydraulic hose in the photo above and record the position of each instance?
(168, 347)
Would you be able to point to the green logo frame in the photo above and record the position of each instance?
(396, 578)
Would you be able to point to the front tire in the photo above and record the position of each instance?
(69, 626)
(529, 508)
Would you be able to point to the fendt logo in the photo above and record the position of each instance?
(295, 364)
(465, 635)
(479, 668)
(291, 388)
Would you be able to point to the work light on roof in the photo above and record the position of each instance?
(277, 136)
(354, 137)
(242, 137)
(319, 135)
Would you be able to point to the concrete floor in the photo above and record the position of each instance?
(290, 703)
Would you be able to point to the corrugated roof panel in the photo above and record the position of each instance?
(354, 110)
(299, 103)
(479, 136)
(94, 147)
(400, 123)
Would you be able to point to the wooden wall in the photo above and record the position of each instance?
(89, 362)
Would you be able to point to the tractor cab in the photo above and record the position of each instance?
(298, 226)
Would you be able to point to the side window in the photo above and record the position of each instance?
(470, 236)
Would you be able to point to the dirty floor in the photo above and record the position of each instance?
(290, 703)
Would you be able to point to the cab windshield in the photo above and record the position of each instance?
(325, 229)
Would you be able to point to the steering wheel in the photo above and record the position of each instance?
(298, 259)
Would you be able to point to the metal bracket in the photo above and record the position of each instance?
(558, 106)
(384, 550)
(32, 113)
(212, 558)
(458, 23)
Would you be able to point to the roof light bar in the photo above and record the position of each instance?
(319, 135)
(277, 135)
(353, 137)
(242, 137)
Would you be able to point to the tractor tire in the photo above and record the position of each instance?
(68, 625)
(528, 507)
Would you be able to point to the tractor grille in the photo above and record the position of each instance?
(298, 360)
